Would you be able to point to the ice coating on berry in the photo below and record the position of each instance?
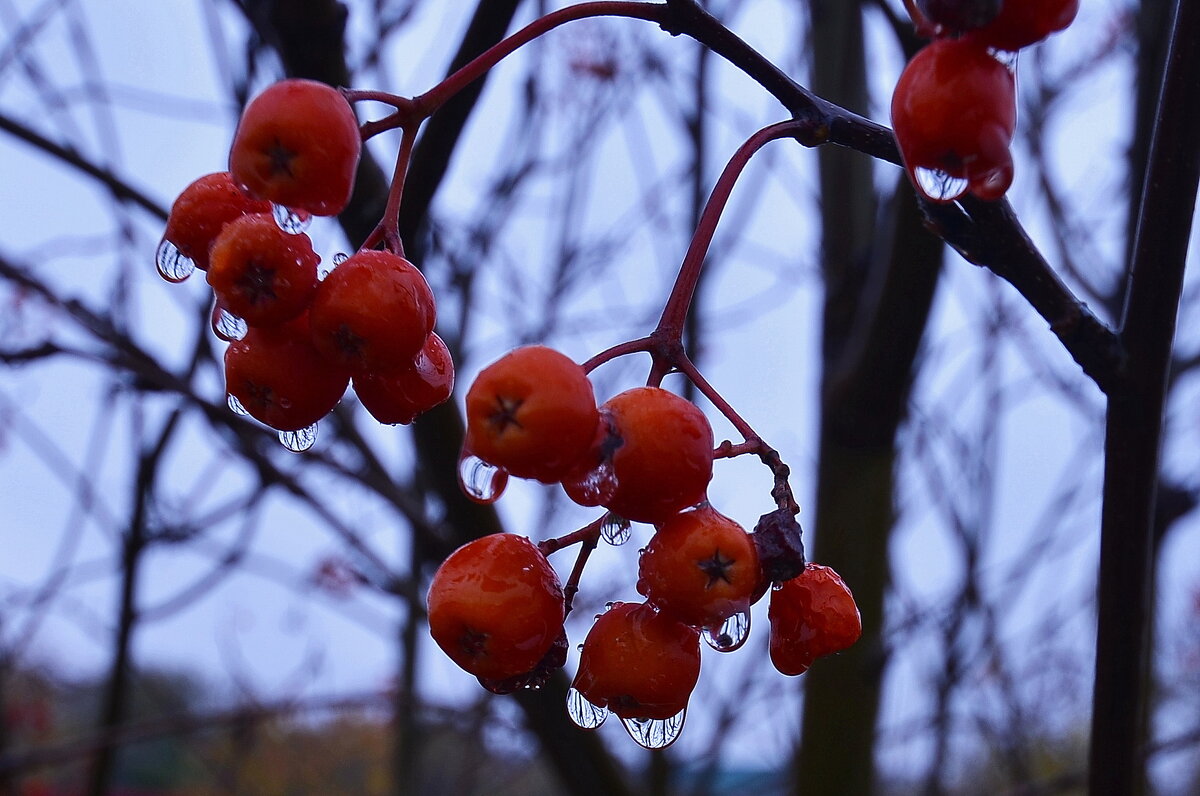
(496, 606)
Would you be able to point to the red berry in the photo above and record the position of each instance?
(260, 273)
(812, 615)
(298, 145)
(399, 396)
(373, 313)
(532, 412)
(280, 378)
(639, 663)
(954, 111)
(701, 568)
(1021, 23)
(202, 210)
(958, 15)
(662, 454)
(496, 606)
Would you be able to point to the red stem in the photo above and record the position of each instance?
(388, 229)
(430, 101)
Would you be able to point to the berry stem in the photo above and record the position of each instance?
(671, 322)
(387, 231)
(588, 537)
(426, 104)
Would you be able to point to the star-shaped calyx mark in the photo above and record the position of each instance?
(473, 642)
(281, 158)
(349, 343)
(505, 414)
(716, 567)
(257, 284)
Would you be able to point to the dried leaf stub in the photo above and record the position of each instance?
(779, 539)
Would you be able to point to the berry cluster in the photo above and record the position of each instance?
(954, 108)
(497, 608)
(297, 337)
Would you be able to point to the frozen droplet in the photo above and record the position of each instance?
(235, 405)
(227, 326)
(938, 185)
(299, 441)
(480, 481)
(655, 733)
(173, 265)
(584, 713)
(730, 634)
(293, 222)
(614, 529)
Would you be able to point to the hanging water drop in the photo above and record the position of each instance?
(173, 265)
(595, 488)
(730, 634)
(299, 441)
(584, 713)
(227, 326)
(340, 258)
(235, 405)
(655, 733)
(482, 482)
(938, 185)
(293, 222)
(614, 529)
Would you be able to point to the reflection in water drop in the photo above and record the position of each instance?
(340, 258)
(595, 488)
(293, 222)
(584, 713)
(731, 634)
(299, 441)
(227, 326)
(482, 482)
(173, 265)
(655, 733)
(938, 185)
(235, 405)
(614, 529)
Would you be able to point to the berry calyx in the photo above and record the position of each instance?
(531, 412)
(260, 273)
(280, 378)
(662, 454)
(639, 663)
(812, 615)
(202, 210)
(701, 567)
(373, 313)
(298, 145)
(496, 606)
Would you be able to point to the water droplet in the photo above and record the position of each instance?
(1008, 58)
(731, 634)
(584, 713)
(299, 441)
(938, 185)
(340, 258)
(595, 488)
(293, 222)
(614, 529)
(655, 733)
(226, 325)
(482, 482)
(235, 405)
(173, 265)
